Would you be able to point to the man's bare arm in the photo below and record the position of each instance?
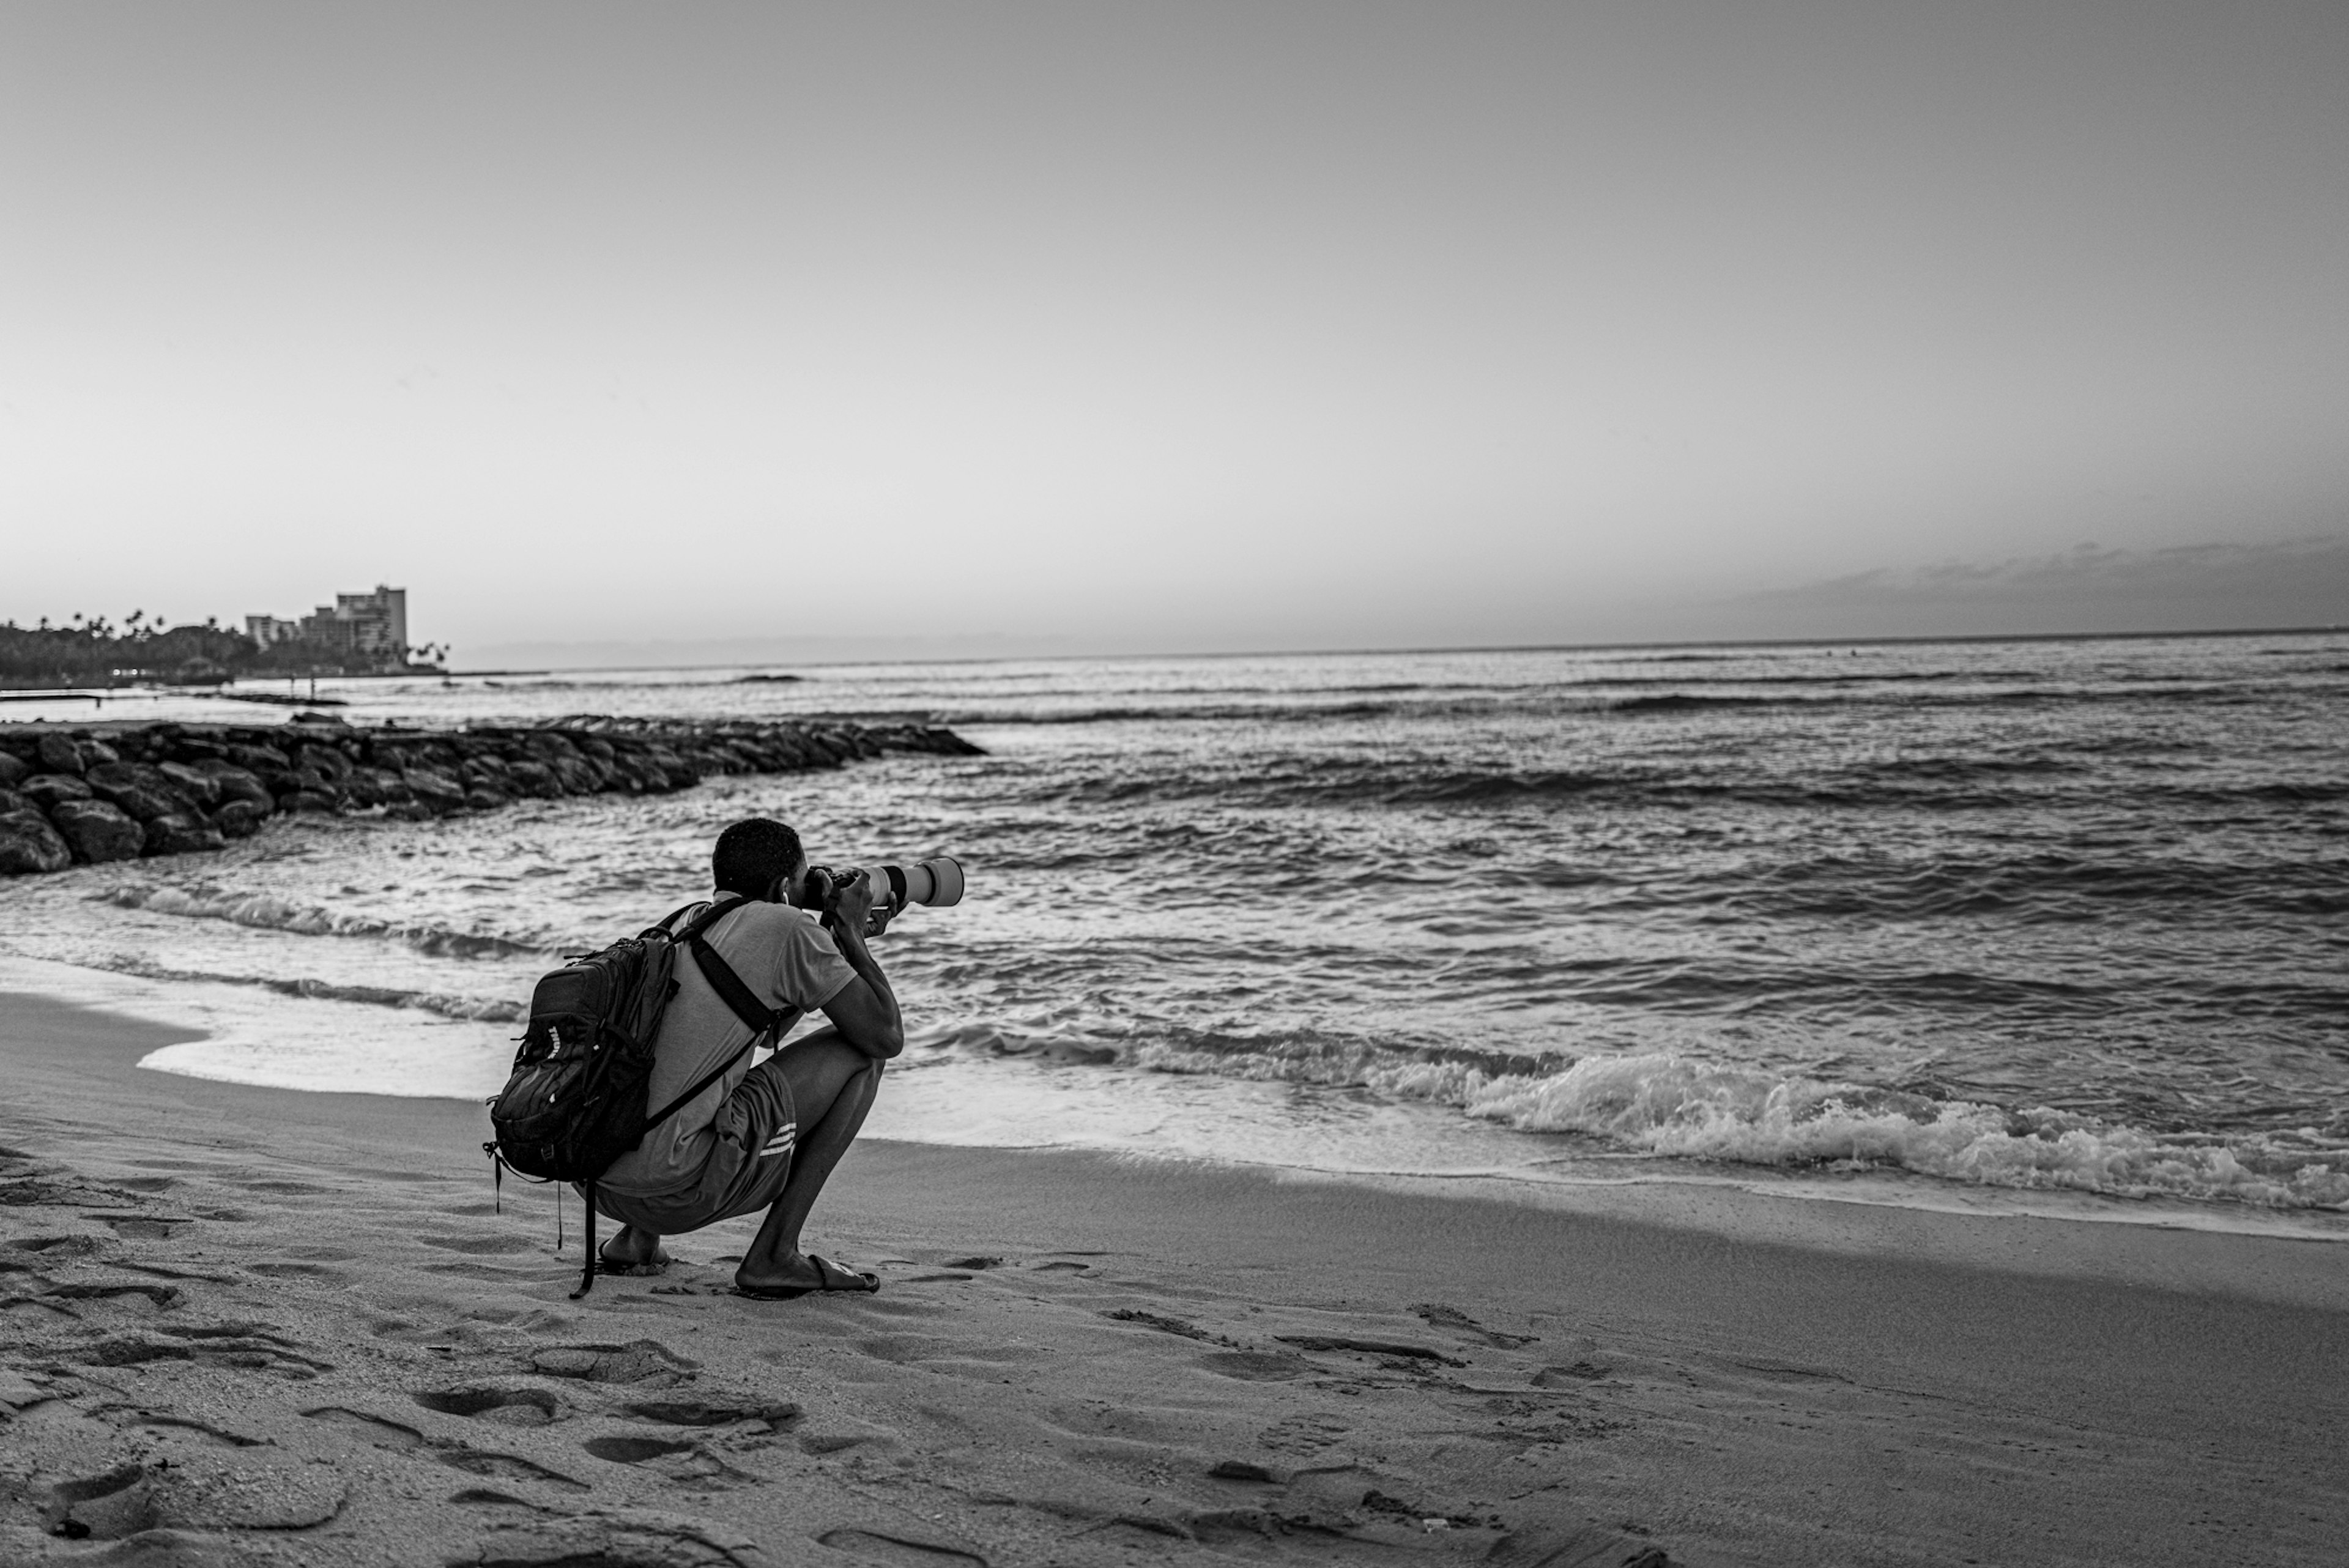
(864, 1011)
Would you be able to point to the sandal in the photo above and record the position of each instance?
(837, 1281)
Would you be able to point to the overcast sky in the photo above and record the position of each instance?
(1173, 327)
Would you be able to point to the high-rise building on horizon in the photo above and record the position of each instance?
(370, 628)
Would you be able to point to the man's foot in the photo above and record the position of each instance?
(632, 1251)
(802, 1274)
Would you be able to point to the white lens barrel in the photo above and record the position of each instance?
(944, 873)
(937, 882)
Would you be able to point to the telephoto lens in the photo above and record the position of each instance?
(937, 882)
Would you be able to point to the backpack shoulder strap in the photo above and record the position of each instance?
(665, 921)
(720, 973)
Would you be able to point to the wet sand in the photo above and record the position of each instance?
(252, 1325)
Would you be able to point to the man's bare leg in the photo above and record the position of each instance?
(832, 1086)
(634, 1249)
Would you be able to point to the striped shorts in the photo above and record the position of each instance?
(757, 1129)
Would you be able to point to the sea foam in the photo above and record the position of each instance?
(1678, 1105)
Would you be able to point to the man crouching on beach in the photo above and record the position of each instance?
(763, 1136)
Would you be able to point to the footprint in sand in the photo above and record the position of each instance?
(479, 1246)
(387, 1434)
(237, 1345)
(637, 1450)
(507, 1407)
(638, 1361)
(1244, 1471)
(383, 1434)
(679, 1460)
(1254, 1366)
(875, 1547)
(143, 1228)
(253, 1491)
(841, 1433)
(161, 1295)
(701, 1412)
(179, 1424)
(295, 1271)
(1164, 1325)
(1438, 1316)
(505, 1467)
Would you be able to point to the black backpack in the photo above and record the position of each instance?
(575, 1101)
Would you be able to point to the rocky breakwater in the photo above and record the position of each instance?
(98, 794)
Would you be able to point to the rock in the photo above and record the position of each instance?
(548, 747)
(195, 782)
(94, 753)
(98, 832)
(534, 778)
(262, 760)
(434, 788)
(328, 762)
(14, 769)
(681, 773)
(310, 801)
(59, 756)
(141, 791)
(238, 784)
(48, 790)
(385, 786)
(11, 801)
(577, 775)
(173, 834)
(239, 820)
(28, 843)
(482, 798)
(643, 773)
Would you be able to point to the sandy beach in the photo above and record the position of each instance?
(253, 1326)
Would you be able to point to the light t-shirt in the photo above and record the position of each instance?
(788, 960)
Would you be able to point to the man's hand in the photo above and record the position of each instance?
(855, 905)
(858, 912)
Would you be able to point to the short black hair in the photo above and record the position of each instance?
(752, 854)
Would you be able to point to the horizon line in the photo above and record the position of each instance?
(2333, 629)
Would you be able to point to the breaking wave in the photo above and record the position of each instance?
(1681, 1107)
(267, 913)
(1687, 1106)
(475, 1008)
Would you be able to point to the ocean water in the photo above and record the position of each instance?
(1962, 923)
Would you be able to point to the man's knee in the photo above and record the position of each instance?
(822, 1067)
